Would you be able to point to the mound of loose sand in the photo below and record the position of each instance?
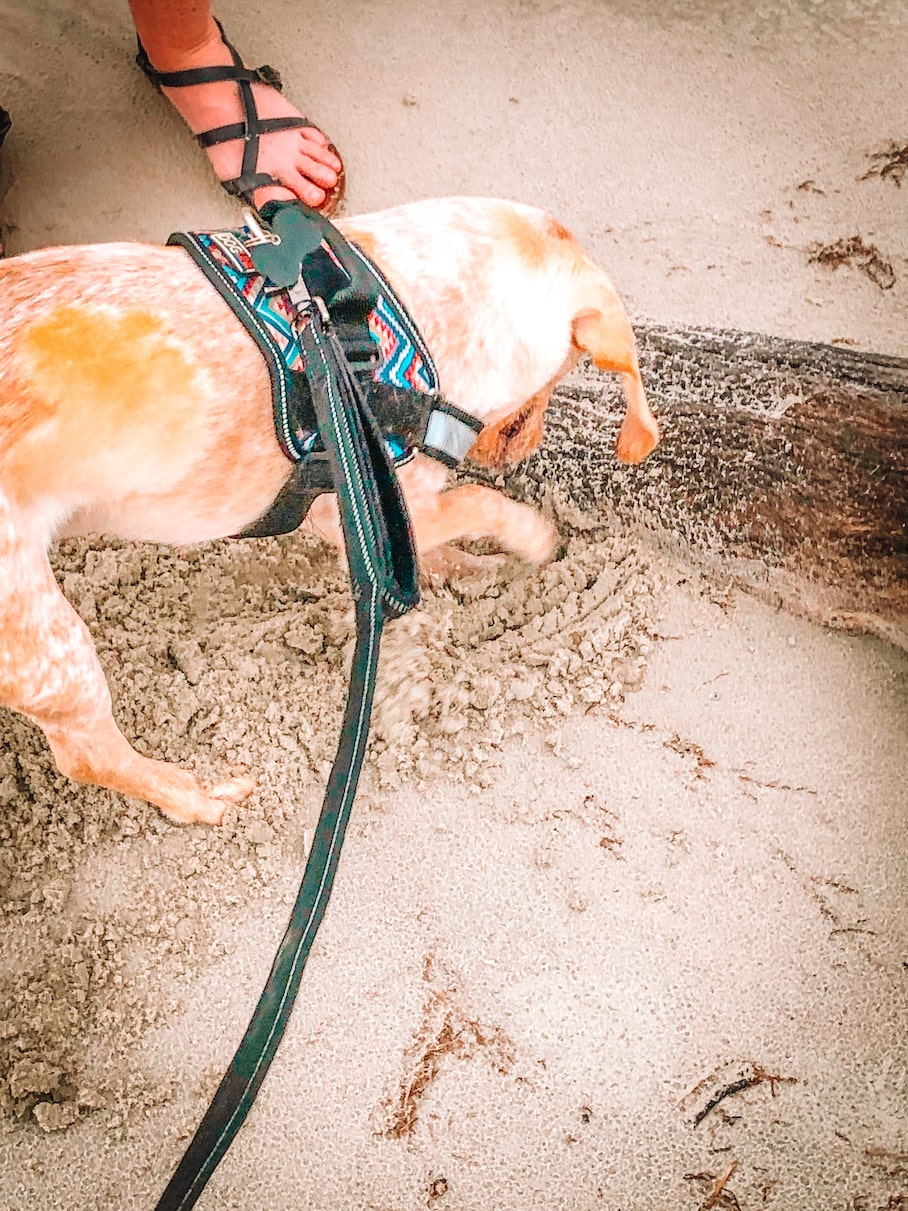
(235, 655)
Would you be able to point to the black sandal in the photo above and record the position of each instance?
(5, 124)
(250, 129)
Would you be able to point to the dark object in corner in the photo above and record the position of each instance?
(5, 124)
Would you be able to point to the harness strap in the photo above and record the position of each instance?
(437, 427)
(384, 580)
(254, 270)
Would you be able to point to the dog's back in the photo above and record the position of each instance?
(125, 379)
(126, 383)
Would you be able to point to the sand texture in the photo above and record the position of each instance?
(220, 655)
(620, 921)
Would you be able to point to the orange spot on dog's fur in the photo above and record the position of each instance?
(107, 387)
(537, 244)
(118, 364)
(558, 230)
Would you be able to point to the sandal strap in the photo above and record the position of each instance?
(239, 130)
(210, 75)
(244, 186)
(251, 127)
(203, 75)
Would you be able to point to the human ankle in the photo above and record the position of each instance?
(168, 54)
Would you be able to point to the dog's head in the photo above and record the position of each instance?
(508, 302)
(599, 327)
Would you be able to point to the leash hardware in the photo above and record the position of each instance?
(305, 301)
(300, 297)
(259, 235)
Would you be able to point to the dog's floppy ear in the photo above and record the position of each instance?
(603, 331)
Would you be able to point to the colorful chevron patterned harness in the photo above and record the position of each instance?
(381, 343)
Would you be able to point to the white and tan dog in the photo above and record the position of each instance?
(134, 404)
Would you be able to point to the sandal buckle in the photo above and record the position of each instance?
(271, 76)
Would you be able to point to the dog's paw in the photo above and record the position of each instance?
(531, 536)
(202, 805)
(637, 438)
(235, 789)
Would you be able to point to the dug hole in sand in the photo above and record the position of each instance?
(620, 920)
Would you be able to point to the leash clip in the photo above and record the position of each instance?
(302, 299)
(259, 235)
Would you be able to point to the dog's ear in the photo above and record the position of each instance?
(605, 334)
(516, 436)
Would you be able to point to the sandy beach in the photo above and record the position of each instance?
(620, 921)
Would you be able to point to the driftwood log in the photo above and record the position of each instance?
(783, 466)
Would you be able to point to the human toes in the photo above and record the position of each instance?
(318, 138)
(299, 182)
(317, 171)
(323, 153)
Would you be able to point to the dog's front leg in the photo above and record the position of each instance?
(49, 671)
(440, 518)
(474, 511)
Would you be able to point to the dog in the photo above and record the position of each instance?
(134, 404)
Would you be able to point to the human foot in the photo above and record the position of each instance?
(258, 143)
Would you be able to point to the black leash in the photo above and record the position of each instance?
(383, 577)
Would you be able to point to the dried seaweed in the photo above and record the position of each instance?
(756, 1076)
(719, 1197)
(889, 164)
(895, 1164)
(688, 748)
(857, 254)
(445, 1030)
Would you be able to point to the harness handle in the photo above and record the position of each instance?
(377, 532)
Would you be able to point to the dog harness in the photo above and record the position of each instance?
(380, 341)
(342, 351)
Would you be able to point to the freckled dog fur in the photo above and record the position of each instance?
(134, 404)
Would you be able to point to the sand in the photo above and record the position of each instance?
(620, 920)
(219, 651)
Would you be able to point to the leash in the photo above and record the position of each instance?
(383, 576)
